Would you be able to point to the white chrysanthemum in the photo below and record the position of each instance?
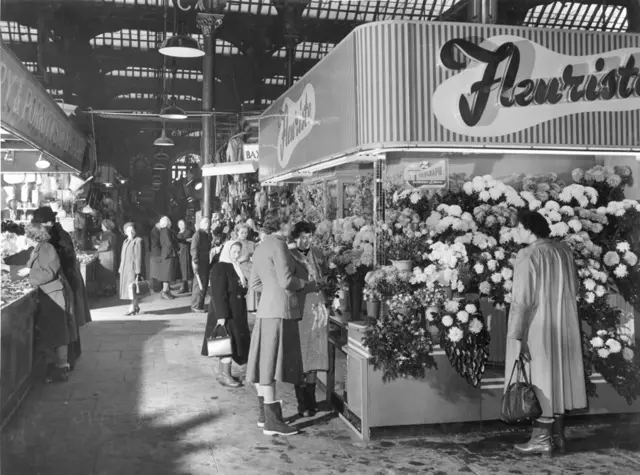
(430, 313)
(462, 316)
(492, 264)
(559, 229)
(415, 197)
(567, 210)
(589, 284)
(590, 297)
(508, 285)
(484, 196)
(575, 225)
(611, 259)
(601, 332)
(613, 345)
(447, 321)
(507, 273)
(475, 326)
(485, 288)
(631, 258)
(495, 193)
(623, 247)
(451, 306)
(499, 254)
(603, 353)
(496, 278)
(597, 342)
(455, 210)
(600, 291)
(470, 308)
(534, 205)
(455, 334)
(552, 206)
(479, 268)
(620, 271)
(468, 187)
(627, 354)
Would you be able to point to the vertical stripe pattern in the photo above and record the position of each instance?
(398, 71)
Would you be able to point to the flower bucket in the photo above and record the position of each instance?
(373, 309)
(403, 266)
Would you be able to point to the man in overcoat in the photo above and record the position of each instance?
(200, 249)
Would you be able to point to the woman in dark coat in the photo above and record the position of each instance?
(184, 245)
(131, 266)
(107, 251)
(154, 254)
(63, 244)
(56, 326)
(168, 261)
(228, 309)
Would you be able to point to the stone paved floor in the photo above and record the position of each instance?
(143, 402)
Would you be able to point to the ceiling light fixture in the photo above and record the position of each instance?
(181, 45)
(163, 140)
(42, 163)
(8, 157)
(173, 112)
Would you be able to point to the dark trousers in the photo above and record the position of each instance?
(198, 294)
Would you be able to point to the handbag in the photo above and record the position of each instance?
(519, 402)
(219, 346)
(139, 289)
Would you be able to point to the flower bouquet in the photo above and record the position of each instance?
(463, 335)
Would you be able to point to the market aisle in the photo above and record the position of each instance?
(142, 401)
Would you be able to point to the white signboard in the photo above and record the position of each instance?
(428, 174)
(250, 151)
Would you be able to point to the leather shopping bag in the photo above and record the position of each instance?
(139, 289)
(519, 402)
(219, 346)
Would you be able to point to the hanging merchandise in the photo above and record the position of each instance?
(24, 193)
(35, 197)
(30, 178)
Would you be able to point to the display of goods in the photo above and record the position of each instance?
(13, 290)
(85, 258)
(9, 226)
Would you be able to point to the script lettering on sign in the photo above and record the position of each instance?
(295, 122)
(427, 174)
(506, 84)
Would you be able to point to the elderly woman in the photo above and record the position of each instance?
(314, 325)
(168, 260)
(131, 266)
(274, 354)
(228, 309)
(56, 326)
(107, 249)
(63, 244)
(544, 329)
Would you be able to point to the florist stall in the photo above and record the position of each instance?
(458, 127)
(41, 149)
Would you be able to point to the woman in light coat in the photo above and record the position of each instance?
(544, 328)
(54, 320)
(107, 249)
(131, 266)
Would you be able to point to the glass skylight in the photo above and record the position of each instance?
(32, 67)
(308, 50)
(13, 32)
(367, 11)
(278, 80)
(578, 16)
(138, 72)
(255, 7)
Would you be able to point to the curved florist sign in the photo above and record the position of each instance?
(295, 122)
(507, 84)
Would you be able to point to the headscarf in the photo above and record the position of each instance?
(225, 256)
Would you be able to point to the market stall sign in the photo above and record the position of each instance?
(250, 151)
(296, 121)
(30, 113)
(507, 84)
(432, 174)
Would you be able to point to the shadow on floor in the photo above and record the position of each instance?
(109, 419)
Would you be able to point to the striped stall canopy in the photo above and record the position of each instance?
(418, 84)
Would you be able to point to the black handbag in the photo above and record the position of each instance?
(139, 289)
(219, 346)
(519, 402)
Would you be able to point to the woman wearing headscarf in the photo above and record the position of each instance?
(544, 330)
(184, 254)
(63, 244)
(274, 354)
(55, 323)
(168, 260)
(228, 309)
(314, 325)
(248, 248)
(131, 266)
(107, 249)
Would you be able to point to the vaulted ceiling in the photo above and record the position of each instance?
(103, 53)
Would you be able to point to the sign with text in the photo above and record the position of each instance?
(296, 121)
(250, 151)
(432, 174)
(506, 83)
(30, 113)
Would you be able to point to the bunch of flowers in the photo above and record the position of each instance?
(448, 219)
(494, 273)
(493, 218)
(608, 181)
(489, 190)
(11, 243)
(620, 260)
(464, 336)
(613, 355)
(579, 195)
(398, 342)
(448, 259)
(310, 202)
(402, 235)
(362, 203)
(382, 282)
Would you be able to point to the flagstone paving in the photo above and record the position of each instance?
(142, 401)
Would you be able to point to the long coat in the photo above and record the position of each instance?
(544, 314)
(131, 264)
(56, 324)
(62, 242)
(200, 249)
(154, 252)
(184, 254)
(228, 302)
(278, 278)
(107, 250)
(168, 261)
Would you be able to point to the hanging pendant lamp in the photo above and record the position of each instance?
(163, 140)
(42, 163)
(173, 112)
(181, 45)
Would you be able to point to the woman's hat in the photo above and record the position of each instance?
(44, 215)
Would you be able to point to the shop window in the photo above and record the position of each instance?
(578, 16)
